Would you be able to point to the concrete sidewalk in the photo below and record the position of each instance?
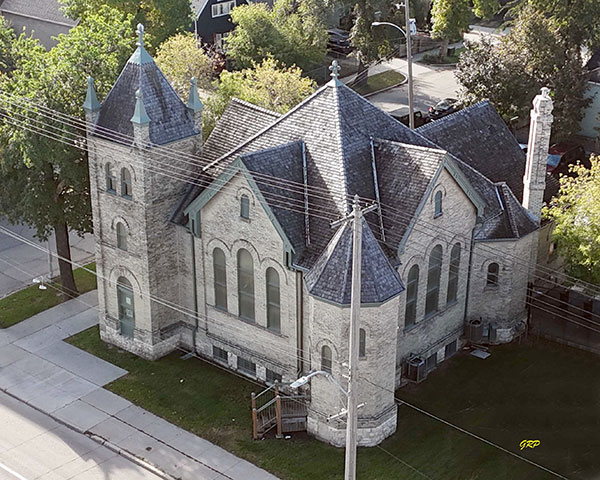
(38, 368)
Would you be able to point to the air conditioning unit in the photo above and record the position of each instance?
(416, 369)
(475, 330)
(493, 333)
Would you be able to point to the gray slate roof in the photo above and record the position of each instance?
(331, 276)
(170, 120)
(49, 10)
(479, 137)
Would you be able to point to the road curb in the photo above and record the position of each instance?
(386, 88)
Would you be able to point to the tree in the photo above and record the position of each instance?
(268, 85)
(511, 73)
(293, 33)
(576, 215)
(44, 182)
(449, 20)
(182, 57)
(161, 18)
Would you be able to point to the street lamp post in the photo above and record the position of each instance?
(407, 35)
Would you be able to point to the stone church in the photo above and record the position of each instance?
(225, 247)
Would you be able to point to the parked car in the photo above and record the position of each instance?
(339, 41)
(561, 155)
(443, 108)
(421, 118)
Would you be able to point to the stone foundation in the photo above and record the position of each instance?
(371, 431)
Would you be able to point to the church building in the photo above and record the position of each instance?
(226, 247)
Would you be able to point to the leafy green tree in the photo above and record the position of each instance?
(7, 40)
(268, 85)
(161, 18)
(449, 20)
(44, 182)
(576, 215)
(293, 33)
(182, 57)
(511, 73)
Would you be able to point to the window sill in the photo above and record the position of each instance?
(429, 317)
(249, 322)
(112, 192)
(452, 303)
(437, 215)
(243, 219)
(127, 197)
(490, 288)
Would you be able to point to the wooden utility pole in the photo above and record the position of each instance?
(352, 418)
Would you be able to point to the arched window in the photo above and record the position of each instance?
(362, 343)
(492, 274)
(273, 306)
(126, 190)
(110, 179)
(126, 307)
(245, 284)
(220, 273)
(121, 236)
(453, 273)
(326, 359)
(433, 280)
(412, 290)
(438, 203)
(245, 207)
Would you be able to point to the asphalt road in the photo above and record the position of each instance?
(20, 263)
(33, 446)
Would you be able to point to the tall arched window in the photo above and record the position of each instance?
(362, 343)
(433, 280)
(326, 359)
(273, 305)
(453, 273)
(245, 284)
(220, 273)
(438, 203)
(245, 207)
(412, 290)
(110, 179)
(492, 274)
(126, 307)
(121, 236)
(126, 190)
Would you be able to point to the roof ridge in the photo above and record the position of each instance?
(255, 107)
(411, 146)
(462, 111)
(266, 129)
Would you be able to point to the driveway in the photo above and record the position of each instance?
(27, 262)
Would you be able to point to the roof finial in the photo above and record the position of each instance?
(335, 69)
(545, 92)
(194, 103)
(140, 117)
(91, 103)
(140, 33)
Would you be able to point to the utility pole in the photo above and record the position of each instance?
(352, 419)
(411, 110)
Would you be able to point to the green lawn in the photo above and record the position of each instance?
(535, 391)
(434, 59)
(31, 300)
(379, 81)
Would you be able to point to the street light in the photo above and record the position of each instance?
(410, 25)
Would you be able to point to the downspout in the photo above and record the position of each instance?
(300, 322)
(469, 271)
(195, 283)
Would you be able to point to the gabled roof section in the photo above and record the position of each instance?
(404, 173)
(479, 137)
(170, 120)
(331, 277)
(285, 199)
(239, 122)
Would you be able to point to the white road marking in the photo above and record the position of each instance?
(12, 472)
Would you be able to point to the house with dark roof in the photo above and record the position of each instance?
(43, 19)
(212, 19)
(590, 122)
(227, 248)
